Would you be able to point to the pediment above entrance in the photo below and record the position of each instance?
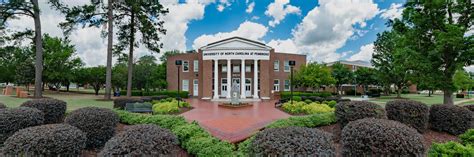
(236, 48)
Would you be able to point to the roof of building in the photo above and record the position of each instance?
(360, 63)
(236, 37)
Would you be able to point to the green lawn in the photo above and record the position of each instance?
(434, 99)
(74, 101)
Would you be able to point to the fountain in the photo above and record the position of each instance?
(235, 97)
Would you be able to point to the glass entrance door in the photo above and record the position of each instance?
(248, 87)
(236, 81)
(224, 89)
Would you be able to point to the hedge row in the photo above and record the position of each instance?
(170, 93)
(287, 95)
(380, 137)
(292, 141)
(451, 148)
(142, 140)
(46, 140)
(450, 118)
(191, 136)
(309, 121)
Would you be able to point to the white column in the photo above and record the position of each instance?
(216, 80)
(255, 79)
(242, 79)
(229, 81)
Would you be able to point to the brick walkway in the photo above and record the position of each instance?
(233, 124)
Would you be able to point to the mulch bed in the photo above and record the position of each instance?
(430, 136)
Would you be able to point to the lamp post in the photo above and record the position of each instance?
(292, 64)
(178, 65)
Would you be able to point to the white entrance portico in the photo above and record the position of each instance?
(236, 57)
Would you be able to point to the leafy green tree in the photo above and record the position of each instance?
(391, 60)
(87, 15)
(437, 33)
(119, 76)
(342, 75)
(60, 60)
(93, 76)
(314, 75)
(365, 77)
(131, 17)
(164, 57)
(7, 66)
(144, 68)
(12, 9)
(462, 80)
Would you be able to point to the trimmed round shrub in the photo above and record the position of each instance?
(450, 118)
(46, 140)
(380, 137)
(120, 103)
(292, 141)
(54, 110)
(14, 119)
(353, 110)
(2, 106)
(142, 140)
(470, 107)
(412, 113)
(98, 123)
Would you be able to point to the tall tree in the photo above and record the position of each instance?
(365, 77)
(87, 15)
(438, 31)
(12, 9)
(314, 75)
(462, 80)
(342, 75)
(390, 60)
(131, 17)
(60, 60)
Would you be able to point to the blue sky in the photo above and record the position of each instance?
(324, 30)
(215, 21)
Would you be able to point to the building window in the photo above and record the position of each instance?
(287, 66)
(224, 68)
(196, 66)
(276, 85)
(236, 69)
(185, 66)
(287, 85)
(276, 65)
(185, 85)
(247, 68)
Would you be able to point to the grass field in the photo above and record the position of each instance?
(73, 100)
(434, 99)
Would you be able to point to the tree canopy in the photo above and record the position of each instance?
(314, 75)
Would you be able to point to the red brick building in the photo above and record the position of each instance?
(223, 64)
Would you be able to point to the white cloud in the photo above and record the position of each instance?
(250, 7)
(247, 29)
(327, 28)
(223, 4)
(278, 11)
(395, 11)
(364, 54)
(287, 46)
(176, 23)
(92, 48)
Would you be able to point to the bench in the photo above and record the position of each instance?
(139, 107)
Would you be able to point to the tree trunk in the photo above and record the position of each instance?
(399, 91)
(108, 77)
(96, 89)
(39, 51)
(429, 93)
(448, 97)
(130, 56)
(67, 87)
